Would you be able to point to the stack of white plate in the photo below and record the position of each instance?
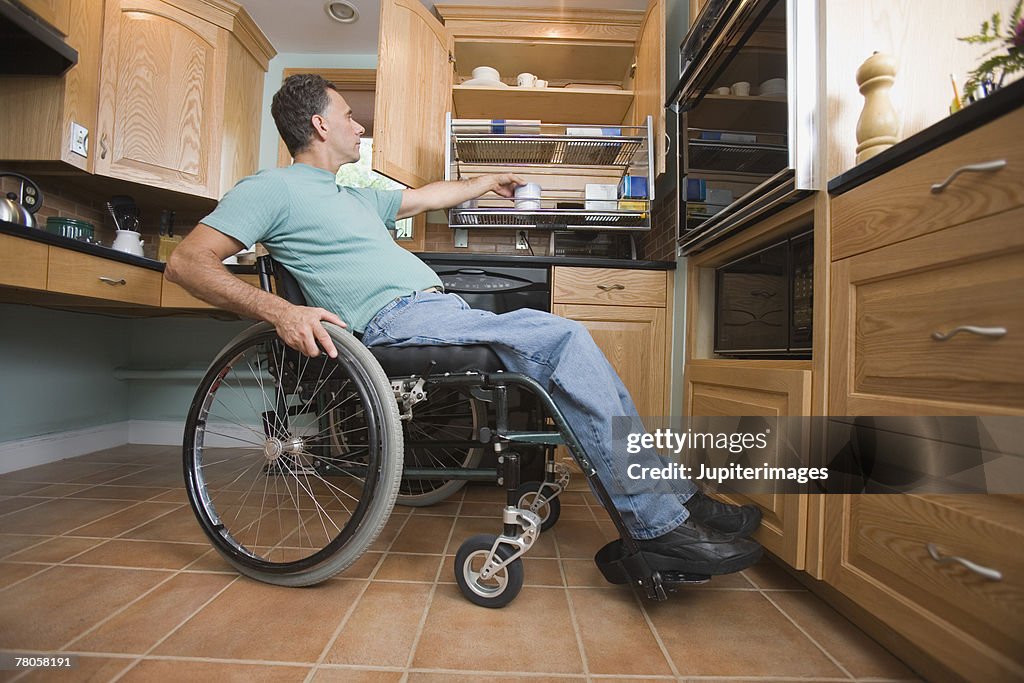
(773, 86)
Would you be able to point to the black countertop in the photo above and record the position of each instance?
(39, 235)
(1003, 101)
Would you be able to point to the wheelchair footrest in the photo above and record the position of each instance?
(620, 568)
(544, 438)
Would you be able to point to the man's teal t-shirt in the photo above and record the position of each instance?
(333, 239)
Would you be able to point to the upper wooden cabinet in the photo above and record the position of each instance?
(649, 79)
(36, 112)
(422, 64)
(180, 90)
(414, 83)
(57, 13)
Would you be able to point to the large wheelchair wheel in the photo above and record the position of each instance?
(432, 439)
(270, 489)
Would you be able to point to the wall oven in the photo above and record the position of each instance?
(748, 104)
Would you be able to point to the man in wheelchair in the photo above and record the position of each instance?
(335, 241)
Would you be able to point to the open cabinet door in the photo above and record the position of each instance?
(414, 91)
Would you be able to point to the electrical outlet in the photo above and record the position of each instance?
(461, 237)
(79, 139)
(522, 239)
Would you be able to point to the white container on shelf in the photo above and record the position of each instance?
(601, 197)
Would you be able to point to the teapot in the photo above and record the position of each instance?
(129, 242)
(21, 209)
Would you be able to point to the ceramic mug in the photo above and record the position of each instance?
(742, 88)
(542, 83)
(526, 80)
(528, 197)
(724, 90)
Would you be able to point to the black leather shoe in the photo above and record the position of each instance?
(741, 520)
(695, 549)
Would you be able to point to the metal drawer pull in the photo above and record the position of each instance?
(994, 332)
(608, 288)
(990, 574)
(976, 168)
(111, 281)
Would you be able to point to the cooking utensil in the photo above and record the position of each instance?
(21, 208)
(125, 212)
(113, 214)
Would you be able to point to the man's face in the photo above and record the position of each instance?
(343, 131)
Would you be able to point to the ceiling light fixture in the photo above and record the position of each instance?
(341, 11)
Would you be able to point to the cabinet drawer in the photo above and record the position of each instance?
(900, 204)
(886, 545)
(176, 296)
(609, 286)
(887, 305)
(71, 272)
(22, 263)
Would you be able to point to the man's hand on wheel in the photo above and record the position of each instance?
(300, 328)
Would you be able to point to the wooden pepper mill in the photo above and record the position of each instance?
(878, 126)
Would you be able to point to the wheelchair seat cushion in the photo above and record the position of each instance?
(399, 361)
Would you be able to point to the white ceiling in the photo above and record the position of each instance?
(303, 25)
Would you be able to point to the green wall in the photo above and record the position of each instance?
(55, 371)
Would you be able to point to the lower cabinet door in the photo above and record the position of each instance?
(633, 340)
(736, 388)
(944, 571)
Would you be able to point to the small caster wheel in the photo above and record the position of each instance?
(501, 588)
(526, 494)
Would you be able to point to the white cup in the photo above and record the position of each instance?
(528, 197)
(541, 83)
(526, 80)
(724, 90)
(128, 241)
(486, 73)
(742, 88)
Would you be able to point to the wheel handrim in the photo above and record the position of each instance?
(281, 502)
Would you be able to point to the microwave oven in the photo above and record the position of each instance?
(764, 302)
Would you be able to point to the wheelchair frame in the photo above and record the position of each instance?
(487, 568)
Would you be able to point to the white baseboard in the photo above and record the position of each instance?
(39, 450)
(156, 432)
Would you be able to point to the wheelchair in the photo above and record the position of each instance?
(293, 464)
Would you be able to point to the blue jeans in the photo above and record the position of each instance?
(561, 355)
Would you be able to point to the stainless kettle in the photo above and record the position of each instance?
(21, 209)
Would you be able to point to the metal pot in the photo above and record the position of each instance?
(21, 208)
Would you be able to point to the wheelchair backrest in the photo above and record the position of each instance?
(285, 284)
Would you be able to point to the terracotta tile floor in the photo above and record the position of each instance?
(101, 557)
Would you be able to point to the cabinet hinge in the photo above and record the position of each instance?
(451, 58)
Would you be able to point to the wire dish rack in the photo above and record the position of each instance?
(561, 163)
(737, 157)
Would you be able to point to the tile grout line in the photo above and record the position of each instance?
(358, 599)
(433, 591)
(800, 628)
(572, 610)
(657, 635)
(174, 630)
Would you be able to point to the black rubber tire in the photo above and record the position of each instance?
(447, 414)
(291, 512)
(502, 588)
(549, 513)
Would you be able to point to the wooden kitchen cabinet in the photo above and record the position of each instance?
(72, 272)
(22, 263)
(563, 46)
(181, 86)
(176, 296)
(626, 312)
(57, 13)
(36, 112)
(910, 266)
(758, 388)
(649, 79)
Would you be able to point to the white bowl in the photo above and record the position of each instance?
(486, 73)
(773, 86)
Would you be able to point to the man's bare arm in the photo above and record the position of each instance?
(442, 195)
(196, 264)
